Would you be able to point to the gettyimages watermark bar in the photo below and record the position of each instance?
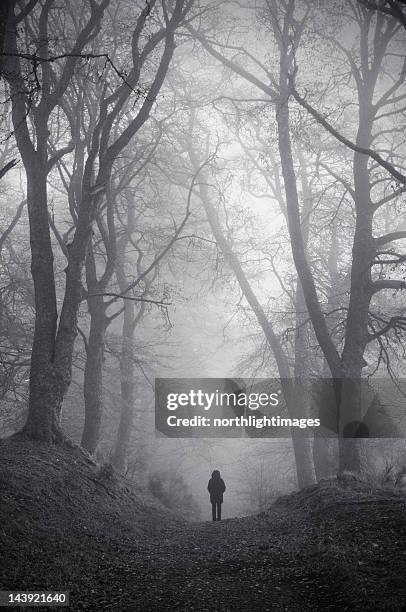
(278, 408)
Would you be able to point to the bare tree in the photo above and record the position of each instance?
(53, 342)
(305, 473)
(288, 26)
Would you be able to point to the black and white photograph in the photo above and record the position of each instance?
(203, 305)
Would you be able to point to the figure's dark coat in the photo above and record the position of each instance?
(216, 488)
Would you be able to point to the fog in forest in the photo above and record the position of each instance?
(211, 189)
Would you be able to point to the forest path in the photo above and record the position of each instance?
(321, 549)
(234, 564)
(68, 524)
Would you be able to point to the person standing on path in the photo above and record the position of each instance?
(216, 488)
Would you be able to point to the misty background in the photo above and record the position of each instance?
(147, 160)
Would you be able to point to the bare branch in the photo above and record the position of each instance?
(392, 237)
(393, 323)
(8, 167)
(59, 154)
(12, 225)
(128, 297)
(348, 143)
(378, 285)
(174, 238)
(389, 197)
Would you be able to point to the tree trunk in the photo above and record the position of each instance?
(45, 397)
(325, 449)
(302, 446)
(353, 450)
(325, 457)
(303, 452)
(45, 394)
(127, 369)
(127, 377)
(295, 231)
(351, 456)
(303, 458)
(93, 379)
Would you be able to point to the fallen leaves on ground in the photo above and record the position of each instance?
(67, 525)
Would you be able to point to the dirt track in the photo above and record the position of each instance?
(66, 524)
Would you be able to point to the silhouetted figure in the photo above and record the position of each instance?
(216, 488)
